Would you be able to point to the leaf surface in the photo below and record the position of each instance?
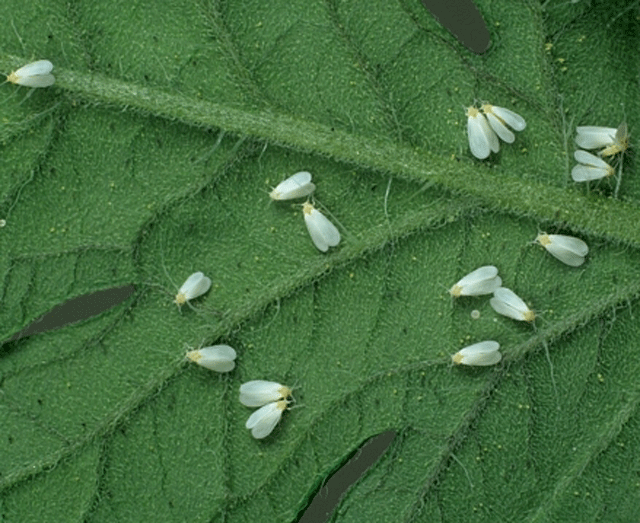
(152, 157)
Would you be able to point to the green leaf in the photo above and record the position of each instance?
(151, 158)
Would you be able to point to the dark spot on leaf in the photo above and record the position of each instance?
(326, 495)
(463, 20)
(77, 309)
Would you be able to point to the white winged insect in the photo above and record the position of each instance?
(479, 354)
(260, 392)
(483, 280)
(195, 285)
(296, 186)
(592, 137)
(508, 303)
(499, 118)
(219, 358)
(567, 249)
(482, 139)
(590, 167)
(610, 140)
(35, 74)
(323, 233)
(264, 420)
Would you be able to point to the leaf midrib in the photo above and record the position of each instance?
(607, 218)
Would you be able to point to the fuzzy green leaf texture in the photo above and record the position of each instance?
(152, 157)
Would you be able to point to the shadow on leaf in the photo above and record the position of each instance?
(75, 310)
(329, 494)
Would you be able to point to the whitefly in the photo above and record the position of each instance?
(568, 249)
(219, 358)
(297, 185)
(264, 420)
(482, 139)
(195, 285)
(508, 303)
(483, 280)
(500, 119)
(35, 74)
(323, 233)
(260, 392)
(479, 354)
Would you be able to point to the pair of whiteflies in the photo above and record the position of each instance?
(484, 128)
(610, 141)
(34, 74)
(485, 280)
(271, 397)
(323, 233)
(568, 249)
(273, 400)
(219, 358)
